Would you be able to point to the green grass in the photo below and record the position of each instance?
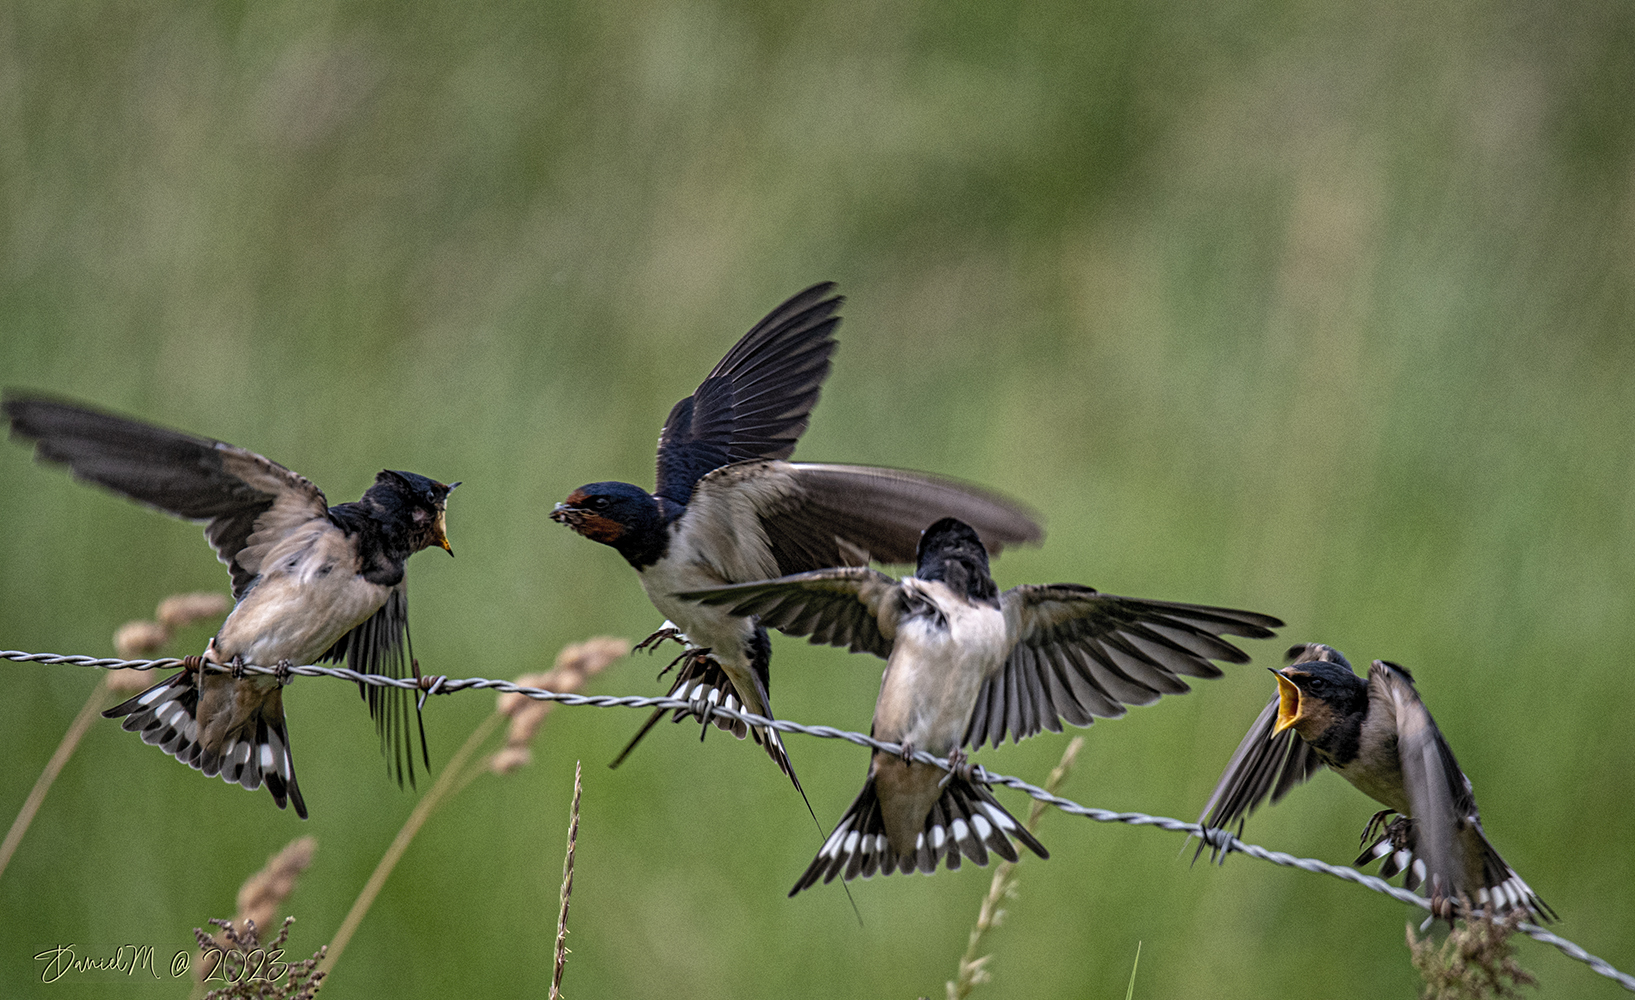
(1324, 312)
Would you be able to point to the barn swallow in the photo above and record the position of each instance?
(310, 582)
(1379, 736)
(967, 664)
(729, 509)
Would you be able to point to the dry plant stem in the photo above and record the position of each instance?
(567, 891)
(446, 783)
(972, 967)
(36, 796)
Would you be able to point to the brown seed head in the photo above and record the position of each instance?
(262, 894)
(574, 666)
(138, 639)
(181, 610)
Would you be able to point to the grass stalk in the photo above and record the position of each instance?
(36, 797)
(561, 959)
(447, 782)
(973, 967)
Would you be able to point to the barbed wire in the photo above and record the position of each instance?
(1215, 838)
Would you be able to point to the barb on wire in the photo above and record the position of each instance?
(1217, 838)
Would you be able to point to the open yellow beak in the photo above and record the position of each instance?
(440, 533)
(1288, 704)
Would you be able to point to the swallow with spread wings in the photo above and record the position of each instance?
(1378, 735)
(966, 664)
(728, 508)
(310, 582)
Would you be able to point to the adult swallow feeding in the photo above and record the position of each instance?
(1379, 736)
(310, 582)
(966, 664)
(728, 508)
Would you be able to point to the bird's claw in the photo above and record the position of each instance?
(665, 633)
(281, 672)
(1377, 824)
(235, 668)
(698, 653)
(959, 766)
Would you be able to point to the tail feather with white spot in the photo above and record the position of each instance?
(166, 716)
(1501, 889)
(700, 679)
(966, 821)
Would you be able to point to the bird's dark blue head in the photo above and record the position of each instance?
(1306, 652)
(1316, 694)
(951, 551)
(411, 507)
(624, 516)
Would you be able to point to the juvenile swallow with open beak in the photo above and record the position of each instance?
(965, 664)
(728, 508)
(310, 582)
(1379, 736)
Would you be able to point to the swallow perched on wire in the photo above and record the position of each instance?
(965, 664)
(310, 582)
(728, 508)
(1379, 736)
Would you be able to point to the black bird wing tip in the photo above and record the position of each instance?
(757, 400)
(381, 645)
(1079, 654)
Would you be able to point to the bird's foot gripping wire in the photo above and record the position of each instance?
(235, 668)
(959, 766)
(281, 672)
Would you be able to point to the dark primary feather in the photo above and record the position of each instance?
(380, 645)
(836, 607)
(237, 491)
(1263, 764)
(756, 402)
(1266, 762)
(1079, 654)
(882, 512)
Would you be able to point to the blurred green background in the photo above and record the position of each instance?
(1319, 310)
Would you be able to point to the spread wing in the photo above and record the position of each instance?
(1263, 763)
(756, 402)
(1446, 834)
(1077, 654)
(849, 606)
(757, 520)
(248, 502)
(380, 645)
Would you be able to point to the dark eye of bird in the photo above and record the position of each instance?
(599, 503)
(1317, 685)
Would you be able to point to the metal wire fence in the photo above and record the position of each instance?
(1216, 838)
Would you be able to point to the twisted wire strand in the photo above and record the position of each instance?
(1216, 838)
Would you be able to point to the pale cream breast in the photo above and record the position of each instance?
(936, 670)
(308, 596)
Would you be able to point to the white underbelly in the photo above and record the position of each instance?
(932, 680)
(297, 616)
(713, 626)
